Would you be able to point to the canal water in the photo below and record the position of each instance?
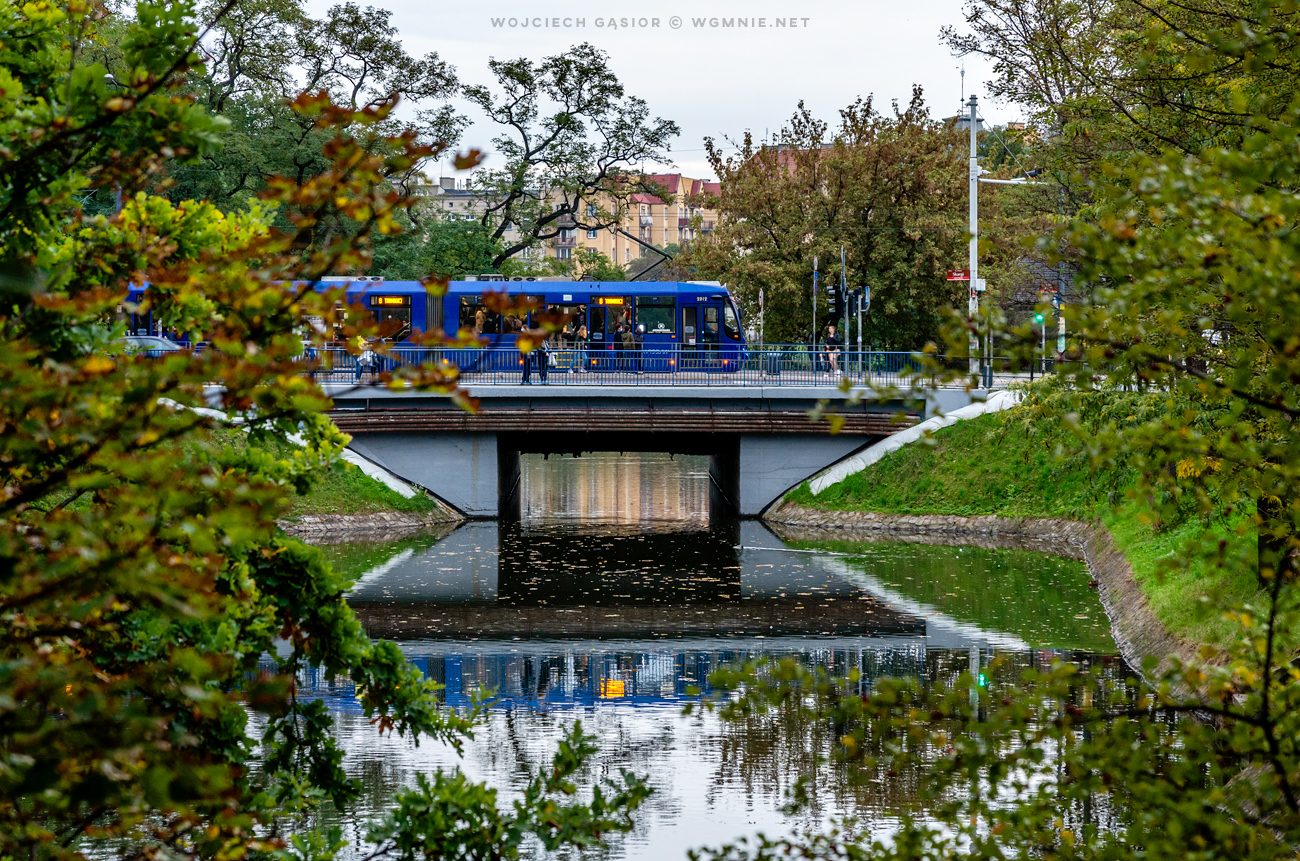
(616, 591)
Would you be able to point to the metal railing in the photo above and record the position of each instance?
(651, 365)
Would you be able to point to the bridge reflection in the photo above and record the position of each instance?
(557, 677)
(508, 581)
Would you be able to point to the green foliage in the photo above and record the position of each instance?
(449, 816)
(436, 247)
(1176, 128)
(262, 54)
(141, 574)
(595, 266)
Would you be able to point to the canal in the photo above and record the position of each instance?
(622, 583)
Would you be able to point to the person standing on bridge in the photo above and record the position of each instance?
(580, 340)
(638, 348)
(539, 355)
(833, 346)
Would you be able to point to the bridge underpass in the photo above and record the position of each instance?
(760, 441)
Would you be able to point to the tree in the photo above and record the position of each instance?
(592, 265)
(1188, 263)
(889, 189)
(1103, 80)
(141, 571)
(574, 168)
(439, 247)
(263, 53)
(659, 269)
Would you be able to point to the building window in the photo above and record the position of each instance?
(563, 253)
(591, 210)
(450, 204)
(591, 234)
(627, 254)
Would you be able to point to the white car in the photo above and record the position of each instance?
(152, 346)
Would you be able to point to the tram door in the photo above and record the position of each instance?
(596, 332)
(700, 327)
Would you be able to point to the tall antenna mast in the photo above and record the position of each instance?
(963, 83)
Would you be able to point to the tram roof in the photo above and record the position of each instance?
(603, 288)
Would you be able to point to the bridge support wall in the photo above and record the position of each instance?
(754, 472)
(464, 469)
(478, 473)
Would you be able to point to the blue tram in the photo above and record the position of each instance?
(697, 322)
(688, 325)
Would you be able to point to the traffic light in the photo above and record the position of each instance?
(836, 301)
(1038, 318)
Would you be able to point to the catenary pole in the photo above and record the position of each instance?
(814, 309)
(973, 303)
(844, 298)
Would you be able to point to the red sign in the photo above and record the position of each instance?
(958, 274)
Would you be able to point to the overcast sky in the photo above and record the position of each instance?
(713, 81)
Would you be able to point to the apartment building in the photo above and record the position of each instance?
(454, 201)
(651, 220)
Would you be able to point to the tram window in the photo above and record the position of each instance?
(710, 327)
(577, 316)
(393, 313)
(730, 322)
(533, 322)
(656, 314)
(475, 317)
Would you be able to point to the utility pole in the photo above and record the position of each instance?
(864, 298)
(813, 342)
(973, 304)
(844, 298)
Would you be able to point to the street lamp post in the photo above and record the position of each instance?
(973, 304)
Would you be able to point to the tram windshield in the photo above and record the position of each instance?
(730, 322)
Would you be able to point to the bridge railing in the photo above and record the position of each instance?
(654, 364)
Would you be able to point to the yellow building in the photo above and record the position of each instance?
(649, 219)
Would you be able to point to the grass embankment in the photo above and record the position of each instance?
(993, 465)
(342, 490)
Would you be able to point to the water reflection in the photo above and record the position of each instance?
(643, 490)
(620, 589)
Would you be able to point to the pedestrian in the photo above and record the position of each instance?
(528, 359)
(638, 347)
(543, 351)
(580, 340)
(629, 348)
(366, 361)
(538, 357)
(834, 343)
(618, 346)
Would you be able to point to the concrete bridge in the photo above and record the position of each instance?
(759, 439)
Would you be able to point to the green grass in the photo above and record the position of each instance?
(342, 490)
(993, 465)
(345, 490)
